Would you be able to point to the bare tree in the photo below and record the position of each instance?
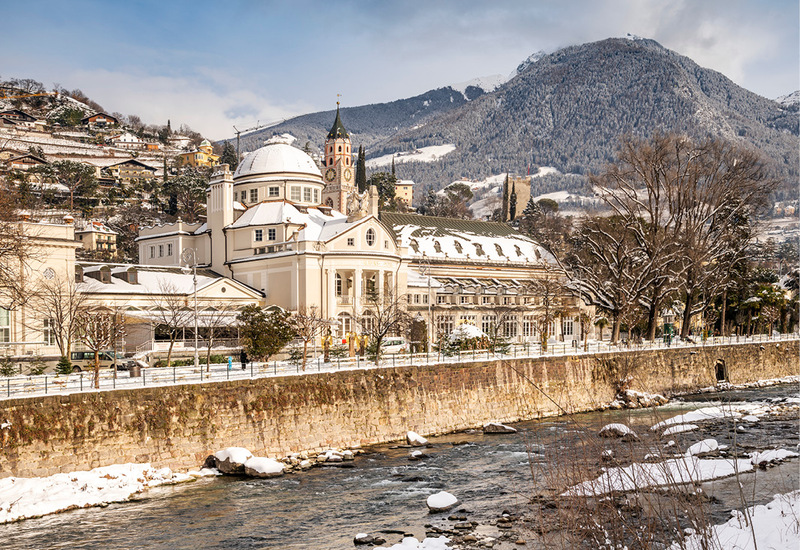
(383, 315)
(308, 324)
(99, 329)
(18, 251)
(170, 312)
(611, 269)
(59, 301)
(215, 321)
(551, 294)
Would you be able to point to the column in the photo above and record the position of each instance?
(357, 291)
(379, 287)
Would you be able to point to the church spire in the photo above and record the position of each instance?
(338, 131)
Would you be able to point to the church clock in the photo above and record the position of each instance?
(348, 174)
(330, 173)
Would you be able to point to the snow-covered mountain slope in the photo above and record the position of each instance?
(789, 99)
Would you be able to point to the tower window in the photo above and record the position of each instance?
(306, 194)
(347, 160)
(294, 193)
(254, 195)
(340, 149)
(274, 191)
(370, 236)
(330, 162)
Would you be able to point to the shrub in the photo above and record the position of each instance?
(64, 366)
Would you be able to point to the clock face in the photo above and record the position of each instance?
(348, 174)
(330, 173)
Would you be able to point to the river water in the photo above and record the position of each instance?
(384, 492)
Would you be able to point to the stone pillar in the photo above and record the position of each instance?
(357, 291)
(379, 286)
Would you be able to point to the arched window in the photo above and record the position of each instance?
(347, 160)
(340, 149)
(329, 202)
(370, 236)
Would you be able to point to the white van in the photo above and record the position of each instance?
(394, 344)
(84, 360)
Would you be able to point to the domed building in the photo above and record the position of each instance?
(303, 236)
(269, 227)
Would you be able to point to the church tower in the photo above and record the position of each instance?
(338, 170)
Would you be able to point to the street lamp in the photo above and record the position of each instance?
(189, 257)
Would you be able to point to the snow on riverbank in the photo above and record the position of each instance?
(776, 525)
(22, 498)
(670, 473)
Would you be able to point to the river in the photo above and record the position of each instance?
(383, 492)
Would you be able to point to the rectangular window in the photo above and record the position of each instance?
(294, 193)
(271, 234)
(351, 241)
(316, 196)
(441, 299)
(161, 251)
(152, 251)
(510, 327)
(169, 249)
(259, 236)
(424, 298)
(551, 328)
(416, 298)
(254, 195)
(528, 326)
(466, 299)
(568, 327)
(487, 323)
(307, 194)
(5, 325)
(486, 299)
(49, 332)
(444, 325)
(274, 191)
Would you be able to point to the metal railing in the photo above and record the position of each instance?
(34, 386)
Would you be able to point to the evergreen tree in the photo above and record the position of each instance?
(229, 156)
(393, 173)
(512, 203)
(505, 199)
(361, 170)
(385, 184)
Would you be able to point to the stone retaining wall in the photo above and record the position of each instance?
(179, 426)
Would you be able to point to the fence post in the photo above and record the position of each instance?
(45, 384)
(174, 381)
(251, 368)
(81, 381)
(144, 382)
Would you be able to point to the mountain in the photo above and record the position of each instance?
(564, 110)
(568, 108)
(789, 100)
(369, 124)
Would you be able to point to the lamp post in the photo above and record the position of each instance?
(189, 257)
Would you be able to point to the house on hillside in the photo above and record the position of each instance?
(24, 162)
(126, 140)
(202, 156)
(178, 141)
(97, 236)
(129, 170)
(100, 120)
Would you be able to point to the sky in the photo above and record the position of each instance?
(216, 65)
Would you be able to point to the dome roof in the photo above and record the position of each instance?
(277, 157)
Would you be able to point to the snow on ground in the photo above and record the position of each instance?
(670, 473)
(423, 154)
(22, 498)
(776, 526)
(704, 446)
(774, 455)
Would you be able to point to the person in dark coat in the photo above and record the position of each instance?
(243, 359)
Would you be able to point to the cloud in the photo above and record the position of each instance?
(209, 105)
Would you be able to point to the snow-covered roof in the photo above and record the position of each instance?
(152, 280)
(96, 227)
(277, 157)
(454, 239)
(318, 225)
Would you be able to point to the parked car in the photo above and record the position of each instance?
(84, 360)
(394, 344)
